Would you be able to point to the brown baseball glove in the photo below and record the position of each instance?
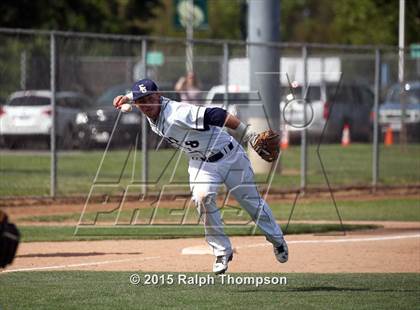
(266, 144)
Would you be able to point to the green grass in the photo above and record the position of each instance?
(28, 174)
(403, 209)
(100, 226)
(112, 290)
(66, 233)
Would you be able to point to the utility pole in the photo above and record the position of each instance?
(190, 36)
(264, 27)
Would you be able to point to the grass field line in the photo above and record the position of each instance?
(202, 250)
(81, 264)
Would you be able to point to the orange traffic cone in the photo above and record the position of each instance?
(284, 143)
(389, 136)
(345, 139)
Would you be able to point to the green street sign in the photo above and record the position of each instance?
(155, 58)
(186, 10)
(415, 50)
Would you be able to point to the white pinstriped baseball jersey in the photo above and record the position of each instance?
(182, 125)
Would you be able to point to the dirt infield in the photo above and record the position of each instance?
(395, 248)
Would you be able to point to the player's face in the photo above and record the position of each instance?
(149, 105)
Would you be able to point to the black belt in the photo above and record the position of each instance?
(215, 157)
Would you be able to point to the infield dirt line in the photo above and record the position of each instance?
(81, 264)
(202, 250)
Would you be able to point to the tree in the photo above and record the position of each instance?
(323, 21)
(347, 21)
(366, 22)
(111, 16)
(224, 17)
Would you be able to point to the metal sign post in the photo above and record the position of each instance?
(401, 61)
(375, 150)
(53, 149)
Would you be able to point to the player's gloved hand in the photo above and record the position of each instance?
(9, 240)
(266, 143)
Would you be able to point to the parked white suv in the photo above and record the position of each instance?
(349, 104)
(27, 115)
(292, 109)
(292, 112)
(236, 94)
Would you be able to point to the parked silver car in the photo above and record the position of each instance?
(390, 110)
(27, 116)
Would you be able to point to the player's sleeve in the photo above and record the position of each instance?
(215, 117)
(129, 95)
(189, 116)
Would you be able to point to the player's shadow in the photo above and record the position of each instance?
(76, 254)
(26, 171)
(307, 289)
(344, 289)
(325, 289)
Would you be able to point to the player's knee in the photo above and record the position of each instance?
(203, 197)
(258, 212)
(204, 201)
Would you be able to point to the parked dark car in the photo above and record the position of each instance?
(348, 104)
(94, 126)
(390, 110)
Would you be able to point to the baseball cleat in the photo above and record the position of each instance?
(282, 252)
(221, 263)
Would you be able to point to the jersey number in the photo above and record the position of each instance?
(191, 143)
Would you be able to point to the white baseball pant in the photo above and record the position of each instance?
(235, 171)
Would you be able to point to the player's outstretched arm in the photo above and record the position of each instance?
(243, 130)
(221, 118)
(232, 121)
(266, 143)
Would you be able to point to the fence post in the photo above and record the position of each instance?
(226, 73)
(304, 144)
(375, 146)
(23, 69)
(145, 157)
(53, 149)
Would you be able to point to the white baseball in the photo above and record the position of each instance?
(126, 107)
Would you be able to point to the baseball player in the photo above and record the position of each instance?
(215, 158)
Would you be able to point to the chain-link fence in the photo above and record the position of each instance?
(73, 77)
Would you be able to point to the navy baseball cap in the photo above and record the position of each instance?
(143, 88)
